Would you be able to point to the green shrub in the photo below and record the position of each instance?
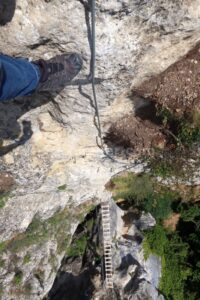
(146, 194)
(133, 188)
(188, 133)
(189, 213)
(62, 187)
(78, 246)
(161, 168)
(27, 258)
(175, 270)
(18, 278)
(159, 205)
(155, 241)
(173, 252)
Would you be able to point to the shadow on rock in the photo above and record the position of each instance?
(72, 287)
(11, 112)
(10, 127)
(7, 11)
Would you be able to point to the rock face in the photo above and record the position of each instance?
(49, 141)
(134, 276)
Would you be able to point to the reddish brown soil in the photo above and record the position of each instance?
(136, 134)
(172, 222)
(6, 182)
(178, 87)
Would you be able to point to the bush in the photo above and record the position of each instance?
(27, 258)
(159, 205)
(146, 194)
(175, 270)
(173, 252)
(133, 188)
(78, 246)
(188, 133)
(155, 242)
(18, 277)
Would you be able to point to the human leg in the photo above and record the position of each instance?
(19, 77)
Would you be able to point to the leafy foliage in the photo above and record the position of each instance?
(189, 229)
(186, 130)
(180, 254)
(159, 205)
(133, 188)
(27, 258)
(155, 241)
(143, 192)
(62, 187)
(18, 278)
(78, 246)
(188, 133)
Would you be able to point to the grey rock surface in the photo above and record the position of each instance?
(146, 290)
(50, 140)
(146, 221)
(134, 276)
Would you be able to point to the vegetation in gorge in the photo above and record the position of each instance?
(180, 254)
(83, 237)
(78, 246)
(38, 232)
(180, 158)
(185, 129)
(178, 248)
(146, 194)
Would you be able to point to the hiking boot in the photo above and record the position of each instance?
(58, 71)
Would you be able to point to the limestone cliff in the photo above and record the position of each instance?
(50, 140)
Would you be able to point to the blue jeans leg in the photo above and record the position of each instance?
(20, 77)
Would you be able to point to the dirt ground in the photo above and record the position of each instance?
(135, 134)
(6, 182)
(178, 87)
(171, 222)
